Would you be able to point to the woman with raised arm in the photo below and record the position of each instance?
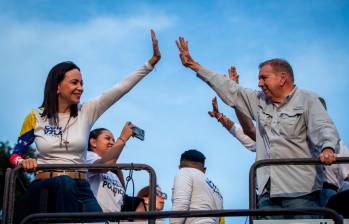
(60, 128)
(108, 187)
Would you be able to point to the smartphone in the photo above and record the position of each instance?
(138, 133)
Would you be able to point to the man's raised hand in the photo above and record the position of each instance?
(185, 56)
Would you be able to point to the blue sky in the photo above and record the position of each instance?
(110, 39)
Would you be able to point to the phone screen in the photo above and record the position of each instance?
(138, 133)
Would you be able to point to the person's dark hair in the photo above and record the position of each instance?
(144, 192)
(279, 65)
(323, 102)
(94, 134)
(50, 102)
(193, 155)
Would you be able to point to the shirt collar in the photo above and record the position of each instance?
(287, 98)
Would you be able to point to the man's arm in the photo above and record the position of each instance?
(322, 131)
(246, 124)
(245, 100)
(181, 195)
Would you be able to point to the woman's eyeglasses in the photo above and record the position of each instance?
(161, 194)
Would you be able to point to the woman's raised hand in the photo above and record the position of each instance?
(215, 112)
(224, 120)
(126, 132)
(233, 75)
(156, 51)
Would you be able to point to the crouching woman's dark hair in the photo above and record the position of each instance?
(94, 134)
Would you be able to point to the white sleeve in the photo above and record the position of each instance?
(244, 139)
(181, 193)
(91, 157)
(97, 106)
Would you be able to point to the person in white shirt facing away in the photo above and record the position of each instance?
(193, 191)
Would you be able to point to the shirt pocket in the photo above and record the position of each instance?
(264, 122)
(290, 123)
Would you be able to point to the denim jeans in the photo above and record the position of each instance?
(64, 194)
(311, 200)
(339, 203)
(325, 195)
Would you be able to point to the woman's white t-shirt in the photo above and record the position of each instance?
(106, 187)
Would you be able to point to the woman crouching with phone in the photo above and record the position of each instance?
(108, 187)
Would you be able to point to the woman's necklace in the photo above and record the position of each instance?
(65, 142)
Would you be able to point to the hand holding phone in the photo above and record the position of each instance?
(138, 133)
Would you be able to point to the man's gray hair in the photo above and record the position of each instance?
(279, 65)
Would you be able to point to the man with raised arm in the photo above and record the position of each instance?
(289, 122)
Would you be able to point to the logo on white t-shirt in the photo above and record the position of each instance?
(112, 184)
(53, 130)
(214, 188)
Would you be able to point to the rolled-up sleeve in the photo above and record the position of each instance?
(321, 129)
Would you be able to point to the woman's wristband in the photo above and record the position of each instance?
(123, 140)
(220, 116)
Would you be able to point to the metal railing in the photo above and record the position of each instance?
(269, 162)
(152, 215)
(95, 217)
(5, 196)
(11, 174)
